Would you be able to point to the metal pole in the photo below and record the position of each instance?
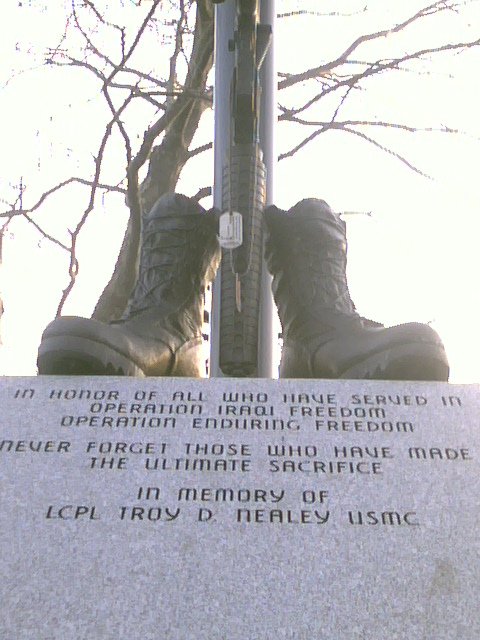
(224, 62)
(268, 118)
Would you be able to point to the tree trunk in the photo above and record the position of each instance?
(166, 163)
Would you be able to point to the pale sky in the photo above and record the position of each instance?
(416, 258)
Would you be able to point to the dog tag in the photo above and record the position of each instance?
(230, 230)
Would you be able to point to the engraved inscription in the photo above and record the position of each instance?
(205, 455)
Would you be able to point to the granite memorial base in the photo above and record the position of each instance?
(174, 509)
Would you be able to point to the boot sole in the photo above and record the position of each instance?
(408, 362)
(68, 355)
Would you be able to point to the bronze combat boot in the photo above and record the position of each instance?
(323, 335)
(160, 332)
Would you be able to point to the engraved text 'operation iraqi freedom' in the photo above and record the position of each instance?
(236, 456)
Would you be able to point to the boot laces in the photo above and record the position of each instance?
(322, 268)
(170, 269)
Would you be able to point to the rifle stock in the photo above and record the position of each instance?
(244, 186)
(244, 191)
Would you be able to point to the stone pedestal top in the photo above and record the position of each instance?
(230, 509)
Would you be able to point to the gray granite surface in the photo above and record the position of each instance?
(175, 509)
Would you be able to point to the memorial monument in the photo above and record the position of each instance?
(234, 508)
(140, 501)
(161, 331)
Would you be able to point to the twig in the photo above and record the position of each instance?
(199, 150)
(376, 68)
(74, 264)
(389, 151)
(23, 212)
(204, 192)
(436, 7)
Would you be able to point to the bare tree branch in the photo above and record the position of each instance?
(319, 14)
(204, 192)
(135, 42)
(179, 125)
(376, 68)
(378, 123)
(199, 150)
(176, 103)
(44, 233)
(360, 134)
(22, 212)
(135, 89)
(101, 19)
(382, 147)
(74, 265)
(90, 46)
(315, 72)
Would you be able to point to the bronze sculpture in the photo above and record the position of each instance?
(160, 332)
(323, 335)
(306, 252)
